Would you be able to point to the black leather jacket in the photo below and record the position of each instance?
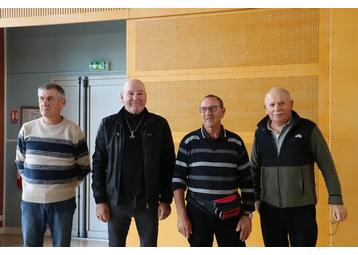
(159, 159)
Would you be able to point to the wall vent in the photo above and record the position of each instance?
(13, 13)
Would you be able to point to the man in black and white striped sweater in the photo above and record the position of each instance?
(212, 163)
(52, 158)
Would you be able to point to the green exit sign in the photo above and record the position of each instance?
(99, 66)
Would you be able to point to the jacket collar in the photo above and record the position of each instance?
(119, 117)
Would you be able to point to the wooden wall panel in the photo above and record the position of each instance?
(345, 153)
(344, 117)
(140, 13)
(236, 41)
(22, 17)
(13, 13)
(243, 98)
(238, 55)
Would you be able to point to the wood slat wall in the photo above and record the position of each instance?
(20, 17)
(17, 17)
(13, 13)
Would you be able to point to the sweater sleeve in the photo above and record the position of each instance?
(167, 165)
(255, 166)
(20, 152)
(245, 180)
(99, 166)
(82, 158)
(325, 163)
(181, 169)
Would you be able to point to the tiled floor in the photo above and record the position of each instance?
(16, 241)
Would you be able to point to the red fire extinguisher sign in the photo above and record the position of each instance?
(14, 116)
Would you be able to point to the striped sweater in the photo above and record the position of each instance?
(52, 160)
(213, 170)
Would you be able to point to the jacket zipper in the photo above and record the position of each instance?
(120, 170)
(144, 133)
(278, 179)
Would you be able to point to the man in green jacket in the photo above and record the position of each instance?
(284, 151)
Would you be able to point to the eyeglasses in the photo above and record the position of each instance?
(335, 231)
(211, 108)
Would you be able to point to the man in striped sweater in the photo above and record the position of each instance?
(212, 163)
(52, 158)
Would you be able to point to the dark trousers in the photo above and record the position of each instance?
(205, 226)
(295, 227)
(146, 220)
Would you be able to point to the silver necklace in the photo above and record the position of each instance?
(132, 131)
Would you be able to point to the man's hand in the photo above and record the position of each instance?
(244, 225)
(339, 212)
(102, 212)
(164, 210)
(184, 225)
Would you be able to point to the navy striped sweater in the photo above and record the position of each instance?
(52, 160)
(214, 170)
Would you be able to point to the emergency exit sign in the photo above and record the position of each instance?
(99, 66)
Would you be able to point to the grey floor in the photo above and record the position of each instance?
(16, 241)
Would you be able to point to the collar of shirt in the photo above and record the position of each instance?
(206, 135)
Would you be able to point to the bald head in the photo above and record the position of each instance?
(277, 91)
(133, 82)
(134, 96)
(278, 106)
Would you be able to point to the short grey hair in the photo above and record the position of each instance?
(47, 86)
(221, 103)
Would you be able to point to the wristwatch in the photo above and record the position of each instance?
(250, 215)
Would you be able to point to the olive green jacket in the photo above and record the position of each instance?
(288, 179)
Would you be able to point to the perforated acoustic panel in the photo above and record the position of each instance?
(178, 101)
(239, 41)
(233, 39)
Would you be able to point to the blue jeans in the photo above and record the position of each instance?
(146, 220)
(58, 216)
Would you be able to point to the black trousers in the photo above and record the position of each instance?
(146, 220)
(205, 226)
(295, 227)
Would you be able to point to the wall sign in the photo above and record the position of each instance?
(14, 117)
(99, 66)
(29, 113)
